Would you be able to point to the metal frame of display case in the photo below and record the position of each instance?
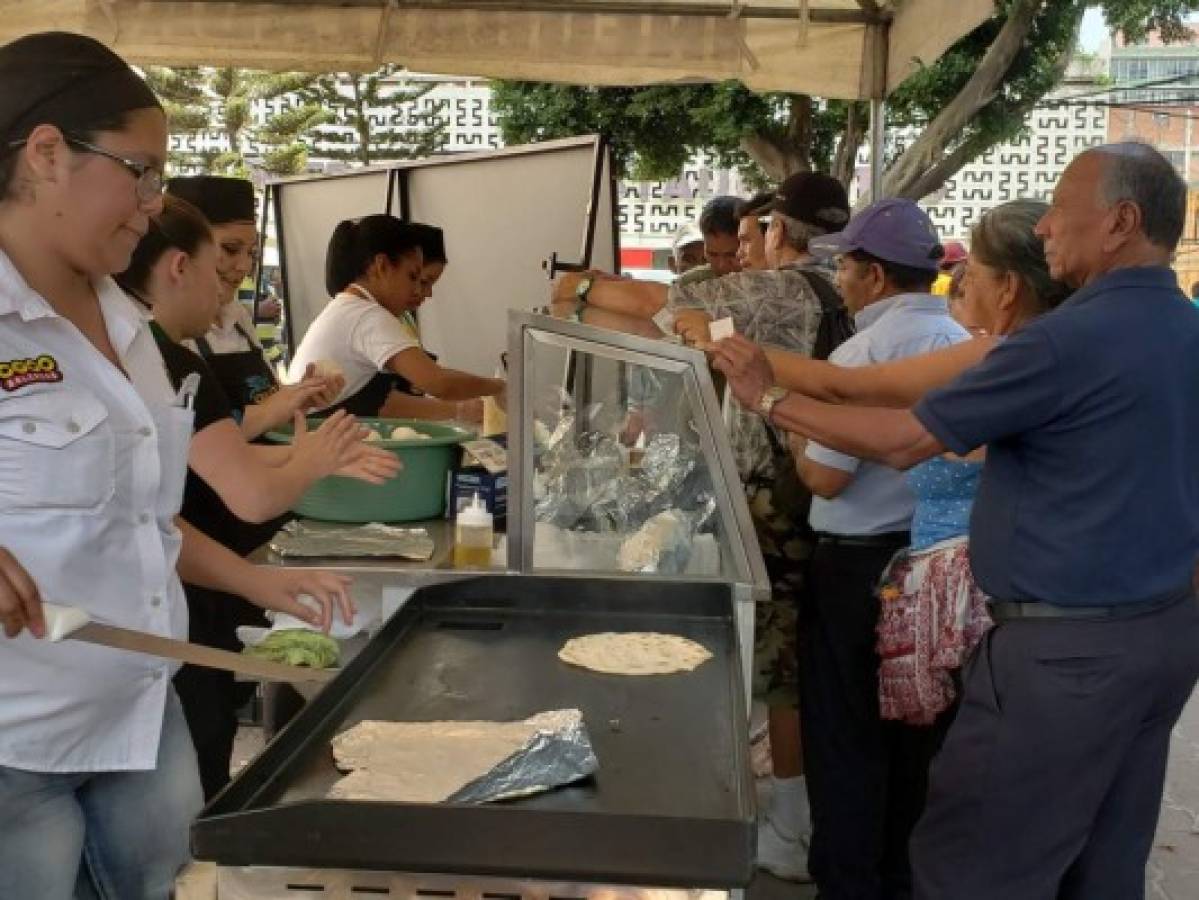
(634, 350)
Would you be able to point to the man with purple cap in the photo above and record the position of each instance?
(866, 777)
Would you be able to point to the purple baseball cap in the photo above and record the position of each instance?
(895, 230)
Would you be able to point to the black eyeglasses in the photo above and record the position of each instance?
(149, 179)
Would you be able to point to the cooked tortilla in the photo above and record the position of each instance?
(422, 762)
(634, 653)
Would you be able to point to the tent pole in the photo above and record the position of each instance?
(878, 131)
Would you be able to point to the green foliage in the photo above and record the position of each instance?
(403, 131)
(222, 100)
(290, 159)
(654, 131)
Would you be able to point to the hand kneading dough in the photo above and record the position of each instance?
(634, 653)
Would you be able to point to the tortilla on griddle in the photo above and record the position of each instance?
(634, 653)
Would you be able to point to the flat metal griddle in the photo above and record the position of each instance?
(672, 803)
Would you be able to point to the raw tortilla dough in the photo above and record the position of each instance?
(634, 653)
(423, 762)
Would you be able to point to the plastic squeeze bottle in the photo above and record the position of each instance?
(473, 536)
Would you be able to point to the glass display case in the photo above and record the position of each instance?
(620, 460)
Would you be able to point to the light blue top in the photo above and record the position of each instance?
(944, 490)
(878, 499)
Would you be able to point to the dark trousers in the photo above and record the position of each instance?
(866, 777)
(1050, 782)
(210, 700)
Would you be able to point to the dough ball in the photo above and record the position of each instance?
(372, 435)
(405, 433)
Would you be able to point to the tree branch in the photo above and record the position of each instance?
(780, 155)
(845, 157)
(982, 87)
(967, 151)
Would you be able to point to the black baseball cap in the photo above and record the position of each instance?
(810, 197)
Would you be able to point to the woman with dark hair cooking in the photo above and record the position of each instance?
(375, 270)
(98, 777)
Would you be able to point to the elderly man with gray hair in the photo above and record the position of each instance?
(1085, 533)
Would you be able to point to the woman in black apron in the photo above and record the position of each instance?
(374, 268)
(209, 699)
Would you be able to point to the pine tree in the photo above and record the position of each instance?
(222, 101)
(376, 116)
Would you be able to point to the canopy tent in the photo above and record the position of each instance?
(847, 49)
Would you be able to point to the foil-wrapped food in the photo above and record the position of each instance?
(373, 540)
(462, 762)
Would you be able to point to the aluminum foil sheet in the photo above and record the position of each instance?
(557, 754)
(301, 539)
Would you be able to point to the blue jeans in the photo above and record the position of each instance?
(105, 835)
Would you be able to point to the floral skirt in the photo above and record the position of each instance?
(931, 616)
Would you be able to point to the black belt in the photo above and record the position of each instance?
(886, 539)
(1007, 610)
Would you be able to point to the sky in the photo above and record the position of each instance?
(1094, 30)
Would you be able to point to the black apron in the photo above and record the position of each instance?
(369, 400)
(211, 698)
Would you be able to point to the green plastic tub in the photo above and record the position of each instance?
(418, 492)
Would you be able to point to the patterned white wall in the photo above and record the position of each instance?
(650, 212)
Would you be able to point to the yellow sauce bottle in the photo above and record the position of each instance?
(473, 536)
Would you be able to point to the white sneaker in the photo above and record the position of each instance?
(782, 857)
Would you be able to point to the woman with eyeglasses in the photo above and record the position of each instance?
(98, 779)
(173, 273)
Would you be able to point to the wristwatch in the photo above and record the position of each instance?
(769, 400)
(582, 289)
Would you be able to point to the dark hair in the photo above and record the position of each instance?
(83, 130)
(180, 226)
(356, 242)
(757, 206)
(1005, 239)
(1135, 172)
(906, 278)
(432, 242)
(719, 216)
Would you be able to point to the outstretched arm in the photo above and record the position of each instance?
(901, 383)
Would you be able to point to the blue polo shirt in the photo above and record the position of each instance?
(878, 499)
(1090, 415)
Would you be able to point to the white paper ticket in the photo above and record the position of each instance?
(721, 329)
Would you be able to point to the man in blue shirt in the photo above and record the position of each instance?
(866, 778)
(1085, 533)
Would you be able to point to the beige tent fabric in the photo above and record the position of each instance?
(835, 59)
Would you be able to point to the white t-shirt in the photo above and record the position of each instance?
(356, 333)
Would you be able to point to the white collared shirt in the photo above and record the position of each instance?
(90, 481)
(224, 335)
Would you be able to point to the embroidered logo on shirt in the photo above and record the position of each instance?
(18, 373)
